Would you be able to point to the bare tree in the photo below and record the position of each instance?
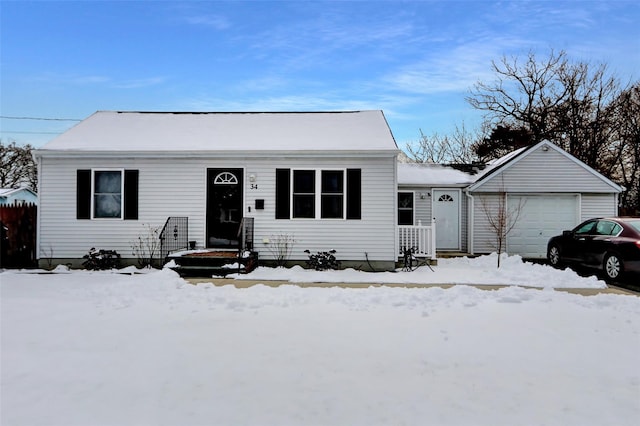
(524, 92)
(17, 166)
(501, 219)
(448, 149)
(626, 142)
(578, 106)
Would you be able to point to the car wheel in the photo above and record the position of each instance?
(612, 266)
(553, 256)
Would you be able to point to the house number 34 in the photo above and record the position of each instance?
(254, 186)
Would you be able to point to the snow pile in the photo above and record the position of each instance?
(105, 348)
(478, 271)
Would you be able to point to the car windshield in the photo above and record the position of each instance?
(635, 224)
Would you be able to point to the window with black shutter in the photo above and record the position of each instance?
(107, 194)
(318, 194)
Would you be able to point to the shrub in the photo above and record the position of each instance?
(147, 246)
(280, 247)
(323, 260)
(101, 259)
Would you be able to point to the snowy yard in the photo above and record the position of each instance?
(102, 348)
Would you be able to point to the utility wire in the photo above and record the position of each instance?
(39, 118)
(30, 133)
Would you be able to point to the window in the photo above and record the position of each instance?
(332, 195)
(107, 194)
(225, 178)
(318, 194)
(446, 198)
(405, 208)
(587, 228)
(304, 197)
(608, 228)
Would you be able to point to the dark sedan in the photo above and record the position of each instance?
(608, 244)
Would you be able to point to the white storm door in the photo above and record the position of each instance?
(446, 211)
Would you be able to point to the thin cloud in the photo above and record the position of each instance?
(217, 22)
(139, 83)
(454, 71)
(90, 79)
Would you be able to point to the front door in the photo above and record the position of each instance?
(446, 211)
(224, 207)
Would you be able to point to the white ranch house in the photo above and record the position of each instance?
(326, 178)
(330, 180)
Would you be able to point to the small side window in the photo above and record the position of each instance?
(405, 208)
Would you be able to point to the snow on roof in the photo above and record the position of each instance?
(505, 158)
(237, 131)
(429, 173)
(5, 192)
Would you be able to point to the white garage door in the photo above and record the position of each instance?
(541, 217)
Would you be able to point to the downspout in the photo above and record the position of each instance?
(38, 159)
(396, 243)
(470, 220)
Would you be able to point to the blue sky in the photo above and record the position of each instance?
(415, 60)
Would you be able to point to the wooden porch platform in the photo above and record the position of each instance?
(205, 262)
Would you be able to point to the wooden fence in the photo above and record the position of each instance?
(18, 223)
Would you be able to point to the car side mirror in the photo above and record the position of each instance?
(567, 233)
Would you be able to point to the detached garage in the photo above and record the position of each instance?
(547, 189)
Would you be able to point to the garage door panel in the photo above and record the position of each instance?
(541, 217)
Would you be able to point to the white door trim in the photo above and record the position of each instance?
(458, 192)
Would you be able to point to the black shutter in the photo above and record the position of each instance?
(131, 194)
(283, 194)
(354, 194)
(83, 194)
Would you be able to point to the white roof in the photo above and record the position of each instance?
(5, 192)
(432, 174)
(219, 131)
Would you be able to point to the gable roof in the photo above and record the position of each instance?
(496, 167)
(5, 192)
(227, 131)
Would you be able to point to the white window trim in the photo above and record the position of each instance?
(318, 193)
(93, 192)
(413, 218)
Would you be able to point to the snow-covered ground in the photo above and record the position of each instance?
(477, 271)
(104, 348)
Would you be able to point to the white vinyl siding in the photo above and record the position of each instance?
(544, 171)
(484, 238)
(423, 213)
(579, 206)
(177, 187)
(598, 205)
